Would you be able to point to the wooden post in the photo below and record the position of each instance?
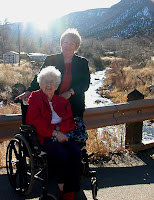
(134, 130)
(19, 42)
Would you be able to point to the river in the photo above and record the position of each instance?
(93, 99)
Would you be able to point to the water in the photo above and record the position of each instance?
(93, 99)
(147, 132)
(1, 104)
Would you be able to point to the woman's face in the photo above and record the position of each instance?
(68, 46)
(48, 86)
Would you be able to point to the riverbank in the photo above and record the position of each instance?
(123, 77)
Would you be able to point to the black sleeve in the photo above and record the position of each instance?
(34, 84)
(82, 78)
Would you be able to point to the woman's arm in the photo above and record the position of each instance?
(34, 117)
(24, 95)
(81, 80)
(67, 124)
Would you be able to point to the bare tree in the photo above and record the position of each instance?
(5, 38)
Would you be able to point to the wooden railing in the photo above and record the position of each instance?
(130, 112)
(133, 111)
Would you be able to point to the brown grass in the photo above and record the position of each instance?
(12, 74)
(3, 147)
(9, 76)
(10, 109)
(102, 142)
(99, 145)
(124, 79)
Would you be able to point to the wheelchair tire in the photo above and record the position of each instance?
(48, 196)
(20, 165)
(94, 188)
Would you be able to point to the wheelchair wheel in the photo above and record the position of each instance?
(20, 165)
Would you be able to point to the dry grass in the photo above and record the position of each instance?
(12, 74)
(113, 59)
(101, 143)
(106, 140)
(9, 76)
(10, 109)
(124, 79)
(3, 147)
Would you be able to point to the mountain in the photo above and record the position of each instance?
(127, 18)
(84, 20)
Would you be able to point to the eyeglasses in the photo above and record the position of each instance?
(48, 82)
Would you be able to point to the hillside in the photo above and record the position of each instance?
(126, 18)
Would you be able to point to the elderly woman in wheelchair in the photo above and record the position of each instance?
(53, 119)
(59, 135)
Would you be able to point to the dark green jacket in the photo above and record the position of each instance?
(80, 79)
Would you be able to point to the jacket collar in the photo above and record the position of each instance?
(62, 56)
(44, 97)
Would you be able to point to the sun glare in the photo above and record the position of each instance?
(43, 12)
(42, 24)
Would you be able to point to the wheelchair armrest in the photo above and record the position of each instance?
(27, 127)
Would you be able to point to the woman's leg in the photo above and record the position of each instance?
(58, 160)
(72, 180)
(65, 162)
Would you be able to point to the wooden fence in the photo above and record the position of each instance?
(130, 113)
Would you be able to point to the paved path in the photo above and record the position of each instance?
(115, 183)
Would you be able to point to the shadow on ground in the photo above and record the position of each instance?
(106, 176)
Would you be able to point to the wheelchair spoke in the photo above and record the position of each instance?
(14, 178)
(21, 183)
(15, 151)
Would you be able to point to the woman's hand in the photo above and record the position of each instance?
(61, 137)
(24, 95)
(66, 95)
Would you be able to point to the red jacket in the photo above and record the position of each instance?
(39, 114)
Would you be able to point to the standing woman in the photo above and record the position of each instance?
(74, 70)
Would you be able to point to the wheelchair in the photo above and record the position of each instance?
(26, 161)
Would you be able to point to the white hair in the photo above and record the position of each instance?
(50, 71)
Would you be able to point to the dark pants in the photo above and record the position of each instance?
(64, 162)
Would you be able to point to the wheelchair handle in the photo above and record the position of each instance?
(17, 100)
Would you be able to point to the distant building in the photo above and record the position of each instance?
(110, 53)
(37, 56)
(11, 57)
(152, 58)
(24, 56)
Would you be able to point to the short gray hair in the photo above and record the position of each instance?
(49, 71)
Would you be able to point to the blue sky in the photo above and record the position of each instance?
(46, 10)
